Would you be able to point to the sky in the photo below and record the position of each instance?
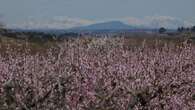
(70, 13)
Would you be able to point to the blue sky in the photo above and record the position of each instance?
(18, 12)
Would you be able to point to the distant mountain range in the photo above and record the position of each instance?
(104, 27)
(66, 23)
(109, 26)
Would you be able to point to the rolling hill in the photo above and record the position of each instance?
(108, 26)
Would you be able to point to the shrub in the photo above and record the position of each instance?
(162, 30)
(92, 76)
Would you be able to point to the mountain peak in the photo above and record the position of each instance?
(110, 25)
(113, 22)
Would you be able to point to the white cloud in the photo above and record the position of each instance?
(61, 22)
(54, 23)
(157, 21)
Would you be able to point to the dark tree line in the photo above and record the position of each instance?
(179, 29)
(36, 36)
(186, 29)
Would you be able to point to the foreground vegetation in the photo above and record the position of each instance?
(97, 74)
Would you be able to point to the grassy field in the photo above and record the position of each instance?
(120, 73)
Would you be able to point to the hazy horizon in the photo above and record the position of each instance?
(73, 13)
